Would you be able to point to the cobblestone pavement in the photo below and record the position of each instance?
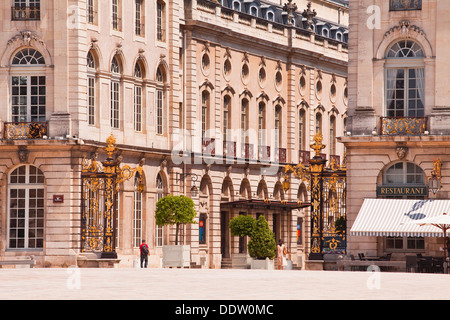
(230, 284)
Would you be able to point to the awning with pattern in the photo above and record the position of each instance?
(393, 217)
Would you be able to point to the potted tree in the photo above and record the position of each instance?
(178, 211)
(262, 246)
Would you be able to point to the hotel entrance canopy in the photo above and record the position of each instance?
(266, 204)
(393, 217)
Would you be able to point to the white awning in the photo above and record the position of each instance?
(393, 217)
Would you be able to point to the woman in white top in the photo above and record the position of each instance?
(281, 255)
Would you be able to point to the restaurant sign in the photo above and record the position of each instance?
(402, 191)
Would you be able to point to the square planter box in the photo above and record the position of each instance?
(266, 264)
(178, 256)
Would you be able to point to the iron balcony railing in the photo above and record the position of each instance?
(25, 130)
(209, 146)
(229, 149)
(25, 13)
(403, 126)
(304, 157)
(264, 153)
(280, 155)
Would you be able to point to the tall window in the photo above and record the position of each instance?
(137, 213)
(261, 124)
(205, 113)
(301, 129)
(26, 208)
(159, 195)
(318, 122)
(91, 88)
(138, 98)
(277, 127)
(332, 135)
(90, 11)
(139, 17)
(115, 93)
(26, 10)
(115, 17)
(226, 116)
(160, 21)
(28, 91)
(405, 80)
(244, 120)
(160, 101)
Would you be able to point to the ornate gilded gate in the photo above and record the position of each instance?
(100, 182)
(328, 193)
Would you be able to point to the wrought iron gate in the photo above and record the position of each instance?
(328, 194)
(100, 183)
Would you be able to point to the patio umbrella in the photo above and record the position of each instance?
(442, 222)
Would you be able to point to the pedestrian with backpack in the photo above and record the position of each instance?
(144, 254)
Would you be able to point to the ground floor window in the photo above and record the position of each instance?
(26, 208)
(404, 243)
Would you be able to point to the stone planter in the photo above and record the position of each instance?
(266, 264)
(178, 256)
(240, 261)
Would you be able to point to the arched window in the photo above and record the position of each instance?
(159, 194)
(115, 93)
(28, 56)
(28, 89)
(26, 199)
(138, 75)
(403, 173)
(405, 80)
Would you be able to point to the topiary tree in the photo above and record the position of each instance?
(176, 210)
(262, 243)
(242, 226)
(262, 240)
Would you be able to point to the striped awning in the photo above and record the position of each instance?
(393, 217)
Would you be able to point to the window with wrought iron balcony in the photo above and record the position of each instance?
(404, 90)
(26, 10)
(28, 97)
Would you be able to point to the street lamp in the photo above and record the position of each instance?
(194, 178)
(286, 184)
(434, 182)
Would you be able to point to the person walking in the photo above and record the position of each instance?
(145, 252)
(281, 255)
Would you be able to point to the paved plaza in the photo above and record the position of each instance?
(207, 284)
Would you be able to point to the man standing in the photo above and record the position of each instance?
(144, 254)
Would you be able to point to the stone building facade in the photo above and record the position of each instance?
(397, 133)
(240, 88)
